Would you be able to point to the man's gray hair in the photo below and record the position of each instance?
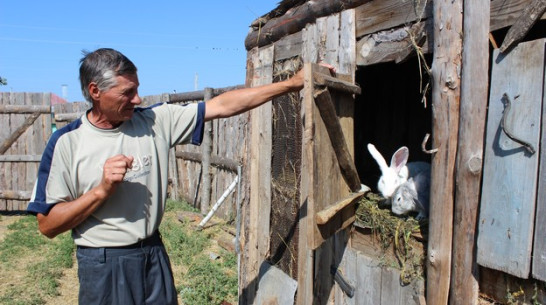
(102, 66)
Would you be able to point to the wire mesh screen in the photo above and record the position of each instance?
(285, 175)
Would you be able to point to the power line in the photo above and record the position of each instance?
(118, 44)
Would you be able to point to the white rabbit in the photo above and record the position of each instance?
(413, 195)
(399, 170)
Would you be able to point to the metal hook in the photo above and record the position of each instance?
(508, 130)
(424, 143)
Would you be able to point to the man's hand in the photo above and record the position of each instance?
(297, 79)
(67, 215)
(114, 171)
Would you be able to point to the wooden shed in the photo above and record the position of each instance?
(468, 72)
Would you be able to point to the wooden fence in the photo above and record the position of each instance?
(28, 120)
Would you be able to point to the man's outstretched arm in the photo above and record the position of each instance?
(238, 101)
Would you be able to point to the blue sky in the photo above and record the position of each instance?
(171, 42)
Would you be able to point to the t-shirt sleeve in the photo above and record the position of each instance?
(53, 183)
(185, 122)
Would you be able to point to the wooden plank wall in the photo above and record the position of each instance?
(14, 174)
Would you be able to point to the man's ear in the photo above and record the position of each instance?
(94, 91)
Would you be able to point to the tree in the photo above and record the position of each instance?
(3, 81)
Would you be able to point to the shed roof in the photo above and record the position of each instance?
(290, 17)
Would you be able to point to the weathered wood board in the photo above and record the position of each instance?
(375, 284)
(539, 249)
(510, 172)
(260, 168)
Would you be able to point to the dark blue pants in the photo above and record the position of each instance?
(138, 274)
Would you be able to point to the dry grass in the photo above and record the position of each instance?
(402, 234)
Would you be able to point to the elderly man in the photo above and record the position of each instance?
(104, 176)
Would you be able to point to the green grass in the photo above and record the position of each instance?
(31, 264)
(199, 279)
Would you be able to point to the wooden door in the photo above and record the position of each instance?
(510, 176)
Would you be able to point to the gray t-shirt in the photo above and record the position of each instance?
(72, 165)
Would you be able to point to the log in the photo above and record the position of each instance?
(296, 19)
(473, 109)
(22, 109)
(227, 243)
(530, 15)
(445, 120)
(379, 47)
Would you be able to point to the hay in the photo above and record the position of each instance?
(403, 234)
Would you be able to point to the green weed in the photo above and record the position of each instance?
(202, 280)
(35, 262)
(31, 264)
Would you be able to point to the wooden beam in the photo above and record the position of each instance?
(335, 83)
(473, 109)
(206, 147)
(376, 16)
(20, 158)
(199, 95)
(530, 15)
(259, 210)
(21, 109)
(68, 117)
(216, 161)
(327, 111)
(15, 195)
(6, 144)
(325, 215)
(505, 13)
(446, 86)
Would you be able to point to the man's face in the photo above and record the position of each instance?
(117, 104)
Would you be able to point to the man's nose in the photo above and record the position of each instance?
(136, 100)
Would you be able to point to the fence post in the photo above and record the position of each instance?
(205, 165)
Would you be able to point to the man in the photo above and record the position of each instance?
(104, 176)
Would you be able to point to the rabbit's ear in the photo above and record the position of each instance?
(378, 158)
(400, 158)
